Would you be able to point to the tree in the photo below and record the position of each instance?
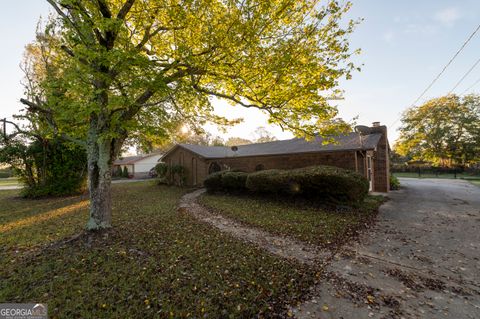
(125, 172)
(263, 135)
(444, 130)
(139, 66)
(236, 141)
(47, 166)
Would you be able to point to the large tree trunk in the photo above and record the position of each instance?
(100, 158)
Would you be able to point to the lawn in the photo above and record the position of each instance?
(432, 175)
(156, 262)
(11, 181)
(475, 182)
(320, 225)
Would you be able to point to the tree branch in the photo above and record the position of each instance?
(35, 107)
(229, 97)
(125, 9)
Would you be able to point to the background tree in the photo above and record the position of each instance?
(263, 135)
(47, 166)
(130, 66)
(444, 130)
(45, 161)
(236, 141)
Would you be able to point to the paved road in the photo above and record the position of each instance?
(421, 260)
(7, 187)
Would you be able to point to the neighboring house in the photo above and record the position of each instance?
(137, 166)
(365, 151)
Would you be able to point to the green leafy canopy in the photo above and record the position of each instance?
(147, 65)
(444, 130)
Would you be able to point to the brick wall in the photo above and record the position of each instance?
(381, 161)
(248, 164)
(187, 159)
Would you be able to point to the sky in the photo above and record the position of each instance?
(404, 44)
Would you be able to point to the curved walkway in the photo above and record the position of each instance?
(277, 245)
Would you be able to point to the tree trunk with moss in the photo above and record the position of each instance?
(100, 154)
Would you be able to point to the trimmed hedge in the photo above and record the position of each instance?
(394, 183)
(328, 182)
(226, 181)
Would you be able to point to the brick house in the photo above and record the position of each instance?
(365, 151)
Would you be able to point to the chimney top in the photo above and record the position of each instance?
(376, 124)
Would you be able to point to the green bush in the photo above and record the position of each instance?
(60, 169)
(213, 182)
(234, 181)
(6, 173)
(125, 172)
(162, 171)
(179, 174)
(326, 182)
(231, 181)
(394, 183)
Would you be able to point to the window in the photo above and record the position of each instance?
(214, 167)
(259, 167)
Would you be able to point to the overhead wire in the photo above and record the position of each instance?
(443, 70)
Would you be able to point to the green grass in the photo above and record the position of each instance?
(155, 263)
(441, 176)
(317, 225)
(11, 181)
(475, 182)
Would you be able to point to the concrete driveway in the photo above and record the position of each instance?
(421, 260)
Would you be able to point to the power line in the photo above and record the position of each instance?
(443, 70)
(470, 87)
(465, 75)
(447, 65)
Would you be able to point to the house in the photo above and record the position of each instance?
(365, 151)
(137, 166)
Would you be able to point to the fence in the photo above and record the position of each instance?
(436, 172)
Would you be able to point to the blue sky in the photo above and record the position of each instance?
(404, 46)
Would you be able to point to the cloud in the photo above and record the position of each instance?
(389, 37)
(447, 16)
(422, 29)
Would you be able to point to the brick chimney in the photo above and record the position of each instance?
(381, 160)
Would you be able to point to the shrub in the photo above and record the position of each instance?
(59, 169)
(394, 183)
(179, 174)
(118, 172)
(231, 181)
(162, 171)
(327, 182)
(234, 181)
(6, 172)
(213, 182)
(125, 172)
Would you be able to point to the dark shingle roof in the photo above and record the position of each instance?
(297, 145)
